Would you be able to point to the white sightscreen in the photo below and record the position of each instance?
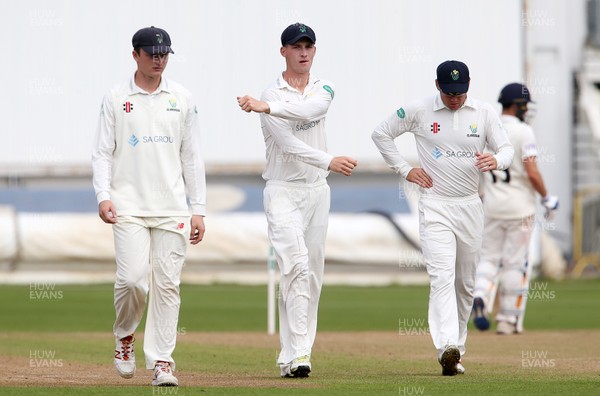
(60, 57)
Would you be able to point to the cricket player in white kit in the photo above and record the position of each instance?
(451, 131)
(146, 154)
(296, 197)
(509, 203)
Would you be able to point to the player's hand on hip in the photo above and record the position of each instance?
(197, 229)
(420, 177)
(343, 165)
(107, 212)
(248, 104)
(486, 162)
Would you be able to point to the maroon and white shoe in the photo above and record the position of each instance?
(125, 357)
(163, 375)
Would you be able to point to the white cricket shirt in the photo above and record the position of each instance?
(147, 152)
(294, 131)
(509, 194)
(447, 142)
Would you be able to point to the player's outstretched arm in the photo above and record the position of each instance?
(343, 165)
(313, 107)
(248, 104)
(420, 177)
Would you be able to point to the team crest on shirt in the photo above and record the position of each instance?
(473, 129)
(436, 127)
(127, 107)
(173, 105)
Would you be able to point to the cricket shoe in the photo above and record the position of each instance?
(285, 370)
(480, 321)
(505, 328)
(163, 375)
(125, 357)
(449, 360)
(300, 367)
(460, 369)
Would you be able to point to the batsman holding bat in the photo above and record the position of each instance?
(510, 206)
(451, 131)
(296, 197)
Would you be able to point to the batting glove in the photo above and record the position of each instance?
(550, 203)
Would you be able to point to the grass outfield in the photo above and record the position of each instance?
(371, 341)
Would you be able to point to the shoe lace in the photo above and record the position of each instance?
(126, 347)
(163, 366)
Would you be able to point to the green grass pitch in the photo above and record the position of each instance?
(60, 320)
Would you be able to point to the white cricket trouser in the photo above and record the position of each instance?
(297, 215)
(150, 253)
(504, 251)
(451, 234)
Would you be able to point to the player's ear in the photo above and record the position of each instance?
(282, 51)
(437, 85)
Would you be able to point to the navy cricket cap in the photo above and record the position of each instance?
(453, 77)
(153, 40)
(514, 93)
(293, 33)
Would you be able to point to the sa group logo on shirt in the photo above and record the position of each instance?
(173, 105)
(307, 125)
(437, 153)
(157, 139)
(133, 140)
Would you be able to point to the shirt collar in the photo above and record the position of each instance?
(134, 89)
(281, 83)
(439, 105)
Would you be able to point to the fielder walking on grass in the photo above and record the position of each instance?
(296, 197)
(451, 131)
(146, 154)
(509, 203)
